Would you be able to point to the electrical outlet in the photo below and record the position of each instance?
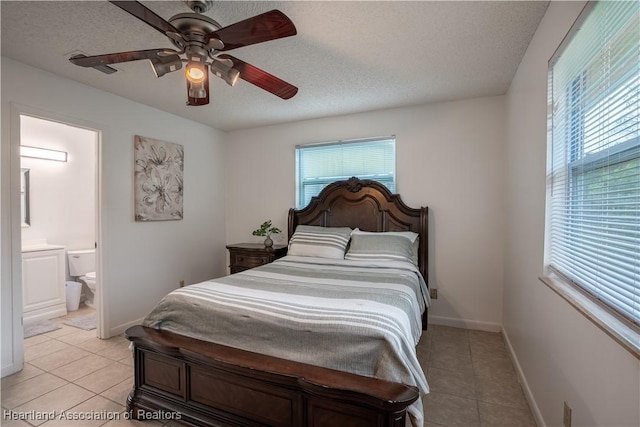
(182, 283)
(566, 419)
(433, 293)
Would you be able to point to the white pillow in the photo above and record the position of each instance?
(383, 246)
(323, 242)
(407, 234)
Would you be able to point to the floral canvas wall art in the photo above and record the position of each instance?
(159, 168)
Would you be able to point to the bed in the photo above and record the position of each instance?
(182, 374)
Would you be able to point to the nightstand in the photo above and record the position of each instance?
(243, 256)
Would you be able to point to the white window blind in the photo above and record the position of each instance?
(593, 173)
(318, 165)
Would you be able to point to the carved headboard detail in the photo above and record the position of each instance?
(367, 205)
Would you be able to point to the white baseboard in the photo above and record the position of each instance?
(523, 382)
(118, 330)
(465, 323)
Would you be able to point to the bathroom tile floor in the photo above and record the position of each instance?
(470, 374)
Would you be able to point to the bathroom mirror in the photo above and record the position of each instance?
(24, 197)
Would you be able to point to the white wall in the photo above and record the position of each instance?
(449, 158)
(62, 194)
(143, 261)
(563, 356)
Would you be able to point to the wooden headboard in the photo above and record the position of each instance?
(367, 205)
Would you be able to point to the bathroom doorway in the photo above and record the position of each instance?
(60, 214)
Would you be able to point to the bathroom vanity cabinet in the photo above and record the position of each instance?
(43, 287)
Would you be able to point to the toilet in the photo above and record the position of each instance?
(82, 266)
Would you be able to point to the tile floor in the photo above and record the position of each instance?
(472, 380)
(471, 377)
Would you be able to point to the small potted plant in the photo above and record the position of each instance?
(266, 229)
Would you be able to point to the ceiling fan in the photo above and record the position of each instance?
(199, 41)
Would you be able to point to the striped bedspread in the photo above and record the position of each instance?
(346, 315)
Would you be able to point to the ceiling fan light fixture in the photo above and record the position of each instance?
(165, 65)
(197, 90)
(200, 89)
(196, 71)
(226, 73)
(195, 75)
(232, 76)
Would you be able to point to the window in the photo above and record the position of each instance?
(593, 176)
(318, 165)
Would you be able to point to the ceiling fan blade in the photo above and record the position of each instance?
(261, 28)
(146, 15)
(114, 58)
(262, 79)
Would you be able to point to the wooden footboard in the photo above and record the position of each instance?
(206, 384)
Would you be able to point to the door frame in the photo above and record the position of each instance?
(102, 299)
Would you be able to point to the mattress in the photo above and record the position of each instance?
(353, 316)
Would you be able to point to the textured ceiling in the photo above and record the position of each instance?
(348, 57)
